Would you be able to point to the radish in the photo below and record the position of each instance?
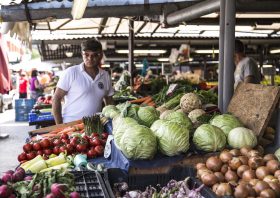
(74, 195)
(6, 178)
(28, 178)
(58, 189)
(50, 196)
(5, 191)
(18, 176)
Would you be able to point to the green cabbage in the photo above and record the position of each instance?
(173, 138)
(165, 113)
(226, 122)
(132, 111)
(147, 115)
(277, 154)
(138, 142)
(121, 106)
(240, 137)
(110, 111)
(209, 138)
(180, 118)
(119, 127)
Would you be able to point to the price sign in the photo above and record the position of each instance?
(107, 149)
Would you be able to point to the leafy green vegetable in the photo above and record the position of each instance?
(180, 118)
(207, 97)
(147, 115)
(240, 137)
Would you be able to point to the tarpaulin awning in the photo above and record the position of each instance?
(5, 80)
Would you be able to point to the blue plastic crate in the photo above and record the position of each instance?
(24, 102)
(22, 113)
(43, 116)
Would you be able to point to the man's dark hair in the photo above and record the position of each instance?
(92, 45)
(34, 73)
(239, 47)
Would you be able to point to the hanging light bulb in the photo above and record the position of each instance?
(78, 8)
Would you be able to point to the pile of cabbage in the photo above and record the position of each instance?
(223, 129)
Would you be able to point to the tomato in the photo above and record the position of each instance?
(37, 146)
(94, 135)
(27, 147)
(64, 136)
(81, 147)
(73, 142)
(95, 141)
(57, 142)
(70, 148)
(45, 143)
(40, 152)
(103, 142)
(48, 151)
(104, 135)
(99, 150)
(22, 157)
(31, 155)
(56, 150)
(91, 153)
(62, 149)
(65, 141)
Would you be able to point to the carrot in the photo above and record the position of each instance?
(56, 131)
(151, 104)
(140, 100)
(148, 100)
(79, 127)
(49, 135)
(66, 130)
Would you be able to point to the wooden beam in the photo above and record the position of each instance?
(102, 25)
(119, 23)
(141, 27)
(64, 23)
(155, 29)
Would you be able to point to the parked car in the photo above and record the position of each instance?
(6, 101)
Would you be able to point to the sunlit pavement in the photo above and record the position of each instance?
(11, 147)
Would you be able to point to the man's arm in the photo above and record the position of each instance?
(108, 100)
(56, 105)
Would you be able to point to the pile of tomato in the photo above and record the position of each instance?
(92, 146)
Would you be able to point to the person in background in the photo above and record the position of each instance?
(23, 85)
(246, 69)
(83, 86)
(36, 89)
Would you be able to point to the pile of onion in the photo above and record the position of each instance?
(244, 172)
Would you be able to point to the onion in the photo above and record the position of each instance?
(253, 182)
(209, 179)
(245, 150)
(225, 156)
(268, 193)
(268, 157)
(231, 176)
(214, 164)
(260, 186)
(6, 178)
(242, 169)
(261, 172)
(248, 175)
(200, 165)
(214, 187)
(251, 190)
(235, 163)
(224, 189)
(273, 166)
(244, 160)
(202, 172)
(277, 173)
(270, 178)
(255, 162)
(276, 187)
(235, 152)
(241, 191)
(220, 176)
(253, 153)
(224, 168)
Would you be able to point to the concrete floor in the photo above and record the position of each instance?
(11, 147)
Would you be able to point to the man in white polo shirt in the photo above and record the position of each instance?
(83, 86)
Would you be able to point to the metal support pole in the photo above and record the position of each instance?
(221, 56)
(229, 46)
(131, 49)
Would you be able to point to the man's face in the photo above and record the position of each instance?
(92, 59)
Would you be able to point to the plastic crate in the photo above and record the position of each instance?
(90, 184)
(22, 113)
(42, 116)
(24, 103)
(141, 181)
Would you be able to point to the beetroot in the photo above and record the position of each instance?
(5, 191)
(74, 195)
(50, 196)
(6, 178)
(58, 189)
(18, 176)
(10, 172)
